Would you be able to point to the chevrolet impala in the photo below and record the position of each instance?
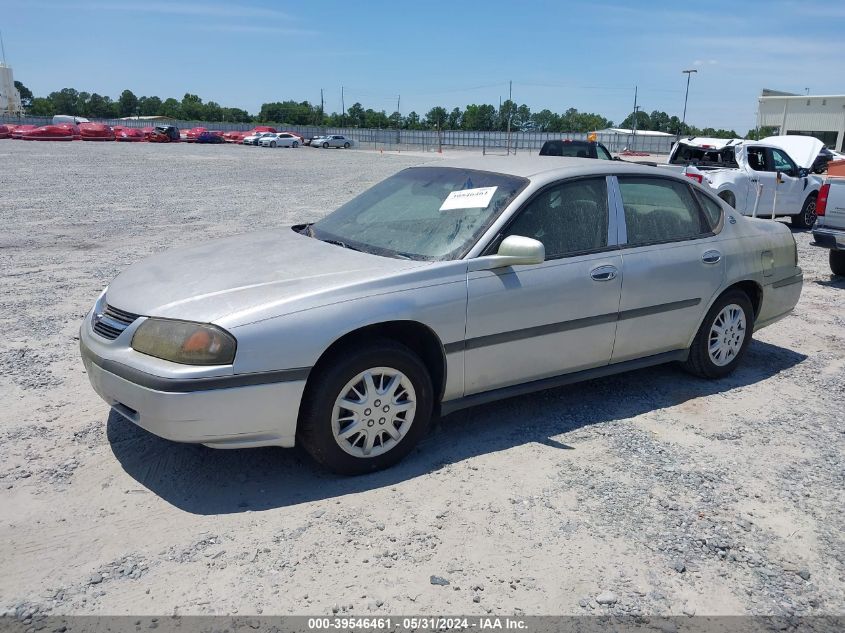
(441, 287)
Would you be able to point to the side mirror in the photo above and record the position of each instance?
(803, 172)
(515, 250)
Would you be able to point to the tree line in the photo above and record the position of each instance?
(474, 117)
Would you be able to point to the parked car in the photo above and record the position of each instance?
(95, 132)
(209, 138)
(165, 134)
(439, 288)
(49, 133)
(734, 169)
(5, 131)
(253, 139)
(130, 135)
(282, 139)
(576, 149)
(59, 119)
(829, 230)
(193, 134)
(332, 140)
(310, 141)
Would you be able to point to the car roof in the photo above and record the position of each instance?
(536, 167)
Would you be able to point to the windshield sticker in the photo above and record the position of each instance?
(468, 199)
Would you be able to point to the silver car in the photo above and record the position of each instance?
(439, 288)
(332, 140)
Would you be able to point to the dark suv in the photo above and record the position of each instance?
(576, 149)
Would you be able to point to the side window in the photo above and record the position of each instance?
(783, 163)
(601, 153)
(757, 158)
(712, 209)
(567, 218)
(660, 210)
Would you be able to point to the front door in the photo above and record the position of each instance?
(530, 322)
(672, 266)
(790, 187)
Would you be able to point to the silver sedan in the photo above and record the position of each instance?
(439, 288)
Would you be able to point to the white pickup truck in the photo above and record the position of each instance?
(829, 231)
(766, 178)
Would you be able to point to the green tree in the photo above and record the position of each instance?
(761, 132)
(436, 118)
(545, 120)
(171, 108)
(355, 115)
(25, 93)
(42, 106)
(127, 103)
(149, 106)
(454, 120)
(412, 121)
(643, 121)
(65, 101)
(192, 107)
(479, 117)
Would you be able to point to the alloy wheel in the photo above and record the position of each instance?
(727, 334)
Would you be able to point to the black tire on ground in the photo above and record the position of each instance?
(699, 361)
(295, 144)
(315, 419)
(325, 146)
(807, 218)
(273, 144)
(346, 145)
(837, 263)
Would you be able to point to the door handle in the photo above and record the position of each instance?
(604, 273)
(711, 257)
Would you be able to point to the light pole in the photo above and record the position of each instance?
(688, 73)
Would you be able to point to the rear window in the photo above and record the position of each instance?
(565, 148)
(686, 154)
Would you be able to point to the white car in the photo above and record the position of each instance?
(282, 139)
(253, 139)
(766, 178)
(332, 140)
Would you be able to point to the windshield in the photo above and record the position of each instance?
(565, 148)
(427, 213)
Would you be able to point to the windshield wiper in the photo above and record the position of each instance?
(343, 244)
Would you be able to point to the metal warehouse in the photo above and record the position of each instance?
(822, 116)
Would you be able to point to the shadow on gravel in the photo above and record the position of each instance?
(833, 282)
(202, 480)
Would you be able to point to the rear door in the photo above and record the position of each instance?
(530, 322)
(672, 266)
(760, 172)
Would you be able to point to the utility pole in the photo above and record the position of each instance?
(320, 122)
(688, 73)
(343, 109)
(398, 103)
(510, 113)
(636, 107)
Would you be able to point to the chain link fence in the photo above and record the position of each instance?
(416, 140)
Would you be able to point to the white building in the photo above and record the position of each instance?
(10, 98)
(822, 116)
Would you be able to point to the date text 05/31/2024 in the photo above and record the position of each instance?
(422, 623)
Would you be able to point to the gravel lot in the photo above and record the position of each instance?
(647, 493)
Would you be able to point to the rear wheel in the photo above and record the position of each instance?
(723, 337)
(807, 218)
(837, 263)
(366, 408)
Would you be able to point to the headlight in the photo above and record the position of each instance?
(185, 342)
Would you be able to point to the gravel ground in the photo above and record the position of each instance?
(648, 493)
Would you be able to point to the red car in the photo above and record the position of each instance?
(130, 134)
(95, 132)
(19, 130)
(5, 131)
(48, 133)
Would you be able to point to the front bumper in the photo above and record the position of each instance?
(833, 239)
(239, 416)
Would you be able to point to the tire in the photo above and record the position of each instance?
(295, 144)
(728, 351)
(325, 146)
(273, 144)
(346, 145)
(323, 420)
(837, 263)
(807, 218)
(728, 197)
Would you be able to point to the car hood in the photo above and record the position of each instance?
(241, 274)
(802, 149)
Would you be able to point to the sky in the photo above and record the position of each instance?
(585, 54)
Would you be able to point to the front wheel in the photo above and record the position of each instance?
(325, 146)
(723, 337)
(807, 218)
(367, 408)
(273, 144)
(837, 263)
(295, 144)
(346, 145)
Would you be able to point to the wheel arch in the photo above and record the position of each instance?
(416, 336)
(752, 289)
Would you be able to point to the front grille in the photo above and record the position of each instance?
(111, 323)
